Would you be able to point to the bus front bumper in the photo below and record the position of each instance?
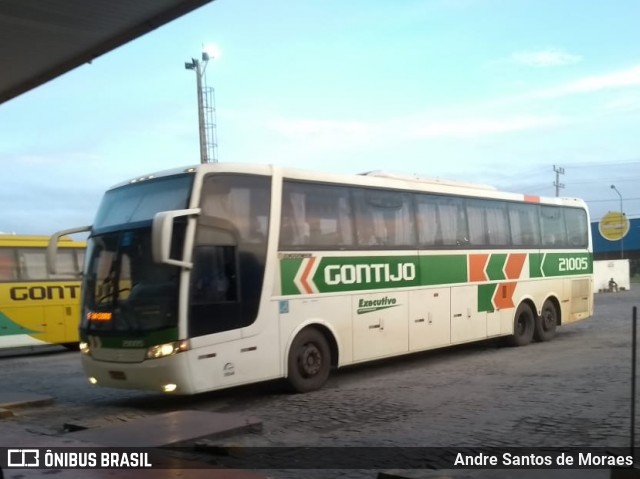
(167, 375)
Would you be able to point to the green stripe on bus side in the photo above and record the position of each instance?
(343, 274)
(443, 269)
(543, 265)
(8, 327)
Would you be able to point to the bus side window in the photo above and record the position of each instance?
(8, 266)
(294, 229)
(32, 264)
(554, 233)
(214, 274)
(67, 266)
(427, 220)
(367, 233)
(577, 226)
(525, 225)
(384, 218)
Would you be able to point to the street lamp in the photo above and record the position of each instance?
(613, 187)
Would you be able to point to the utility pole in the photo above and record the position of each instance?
(622, 223)
(559, 171)
(206, 111)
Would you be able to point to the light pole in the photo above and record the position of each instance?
(613, 187)
(199, 69)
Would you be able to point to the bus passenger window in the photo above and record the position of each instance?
(8, 269)
(525, 225)
(554, 233)
(32, 264)
(367, 234)
(384, 218)
(67, 266)
(294, 229)
(577, 227)
(315, 216)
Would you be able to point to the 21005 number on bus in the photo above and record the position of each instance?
(573, 264)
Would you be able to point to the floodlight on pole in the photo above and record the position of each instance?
(622, 223)
(206, 110)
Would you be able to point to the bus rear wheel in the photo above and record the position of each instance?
(523, 326)
(546, 323)
(309, 361)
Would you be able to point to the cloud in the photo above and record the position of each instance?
(545, 58)
(482, 126)
(623, 104)
(304, 127)
(616, 80)
(339, 133)
(333, 134)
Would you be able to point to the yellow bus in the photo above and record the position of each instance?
(38, 308)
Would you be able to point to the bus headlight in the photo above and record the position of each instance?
(84, 348)
(167, 349)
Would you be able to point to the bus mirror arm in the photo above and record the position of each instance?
(52, 247)
(162, 234)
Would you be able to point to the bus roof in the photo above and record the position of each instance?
(371, 179)
(26, 241)
(427, 180)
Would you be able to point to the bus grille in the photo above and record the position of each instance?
(119, 355)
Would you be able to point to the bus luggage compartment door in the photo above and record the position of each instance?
(380, 325)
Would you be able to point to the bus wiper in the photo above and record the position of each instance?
(113, 295)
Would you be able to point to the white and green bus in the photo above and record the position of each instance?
(220, 275)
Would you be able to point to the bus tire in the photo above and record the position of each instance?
(309, 361)
(523, 326)
(72, 346)
(546, 323)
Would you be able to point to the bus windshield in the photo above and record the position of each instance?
(139, 202)
(125, 290)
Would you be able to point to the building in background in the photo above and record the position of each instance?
(611, 242)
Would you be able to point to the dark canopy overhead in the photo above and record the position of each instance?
(42, 39)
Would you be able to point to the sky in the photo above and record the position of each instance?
(491, 91)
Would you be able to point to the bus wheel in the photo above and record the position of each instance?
(523, 326)
(72, 346)
(546, 323)
(309, 361)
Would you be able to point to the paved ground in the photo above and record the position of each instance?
(572, 391)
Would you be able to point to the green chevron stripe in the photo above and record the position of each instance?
(535, 260)
(288, 269)
(495, 267)
(485, 296)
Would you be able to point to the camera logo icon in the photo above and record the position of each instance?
(23, 458)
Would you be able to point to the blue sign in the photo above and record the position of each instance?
(629, 243)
